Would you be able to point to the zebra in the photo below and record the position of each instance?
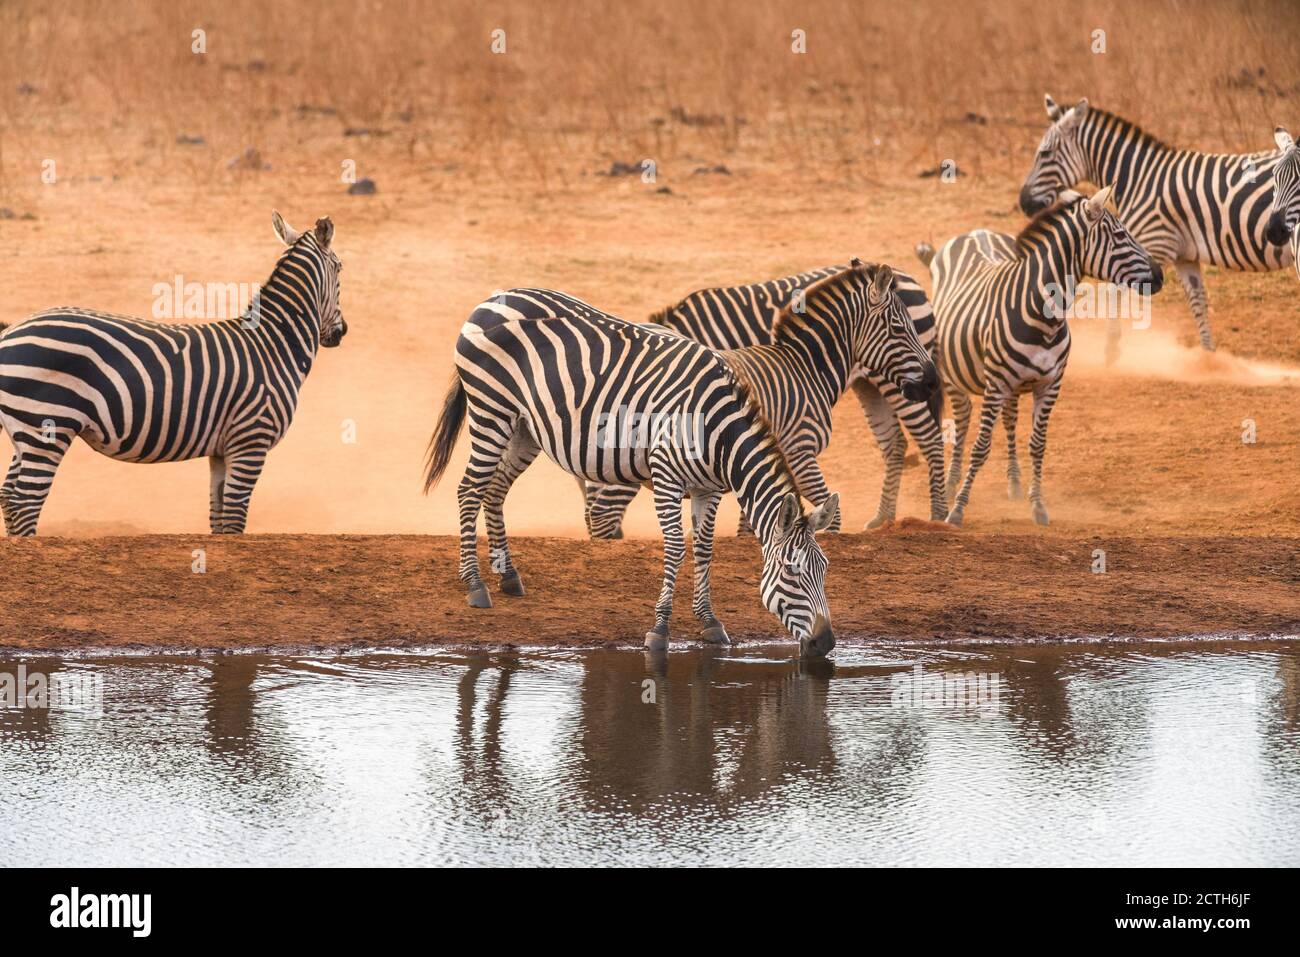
(797, 386)
(140, 391)
(1284, 213)
(541, 370)
(1184, 207)
(1001, 303)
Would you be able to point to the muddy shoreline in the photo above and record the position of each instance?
(910, 583)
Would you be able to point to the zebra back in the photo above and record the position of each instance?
(734, 317)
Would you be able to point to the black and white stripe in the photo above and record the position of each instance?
(1001, 304)
(140, 391)
(538, 370)
(798, 377)
(1185, 208)
(1284, 211)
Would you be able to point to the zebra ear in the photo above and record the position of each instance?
(288, 235)
(1283, 139)
(1053, 111)
(884, 280)
(324, 232)
(1072, 117)
(824, 514)
(789, 513)
(1095, 206)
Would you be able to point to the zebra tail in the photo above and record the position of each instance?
(444, 437)
(925, 253)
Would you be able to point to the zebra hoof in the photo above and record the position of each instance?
(1040, 514)
(512, 585)
(1014, 492)
(478, 597)
(656, 641)
(954, 517)
(715, 635)
(879, 520)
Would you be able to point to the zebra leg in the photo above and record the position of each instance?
(36, 459)
(488, 443)
(704, 509)
(519, 454)
(743, 527)
(929, 439)
(961, 410)
(1009, 413)
(668, 507)
(243, 467)
(608, 506)
(992, 408)
(216, 492)
(1189, 274)
(1044, 400)
(811, 483)
(7, 490)
(889, 437)
(1112, 340)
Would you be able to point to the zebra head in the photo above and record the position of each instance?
(326, 266)
(887, 343)
(1060, 162)
(794, 574)
(1285, 215)
(1110, 253)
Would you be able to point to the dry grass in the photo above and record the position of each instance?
(585, 82)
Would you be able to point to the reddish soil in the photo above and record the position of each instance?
(909, 581)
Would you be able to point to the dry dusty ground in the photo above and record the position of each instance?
(916, 580)
(1145, 459)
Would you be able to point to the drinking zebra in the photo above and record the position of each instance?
(140, 391)
(1001, 303)
(539, 370)
(1284, 213)
(1184, 207)
(800, 367)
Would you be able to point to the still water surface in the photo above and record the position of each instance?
(1071, 755)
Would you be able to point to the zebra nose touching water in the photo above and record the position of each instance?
(537, 370)
(141, 391)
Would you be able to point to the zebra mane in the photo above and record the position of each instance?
(660, 318)
(1040, 225)
(813, 291)
(1105, 118)
(757, 416)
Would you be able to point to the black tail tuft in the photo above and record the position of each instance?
(925, 253)
(444, 436)
(3, 326)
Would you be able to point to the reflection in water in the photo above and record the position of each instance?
(1125, 754)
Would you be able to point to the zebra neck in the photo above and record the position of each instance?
(758, 473)
(816, 352)
(290, 332)
(1052, 267)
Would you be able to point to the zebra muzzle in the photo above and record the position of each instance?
(820, 643)
(1276, 231)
